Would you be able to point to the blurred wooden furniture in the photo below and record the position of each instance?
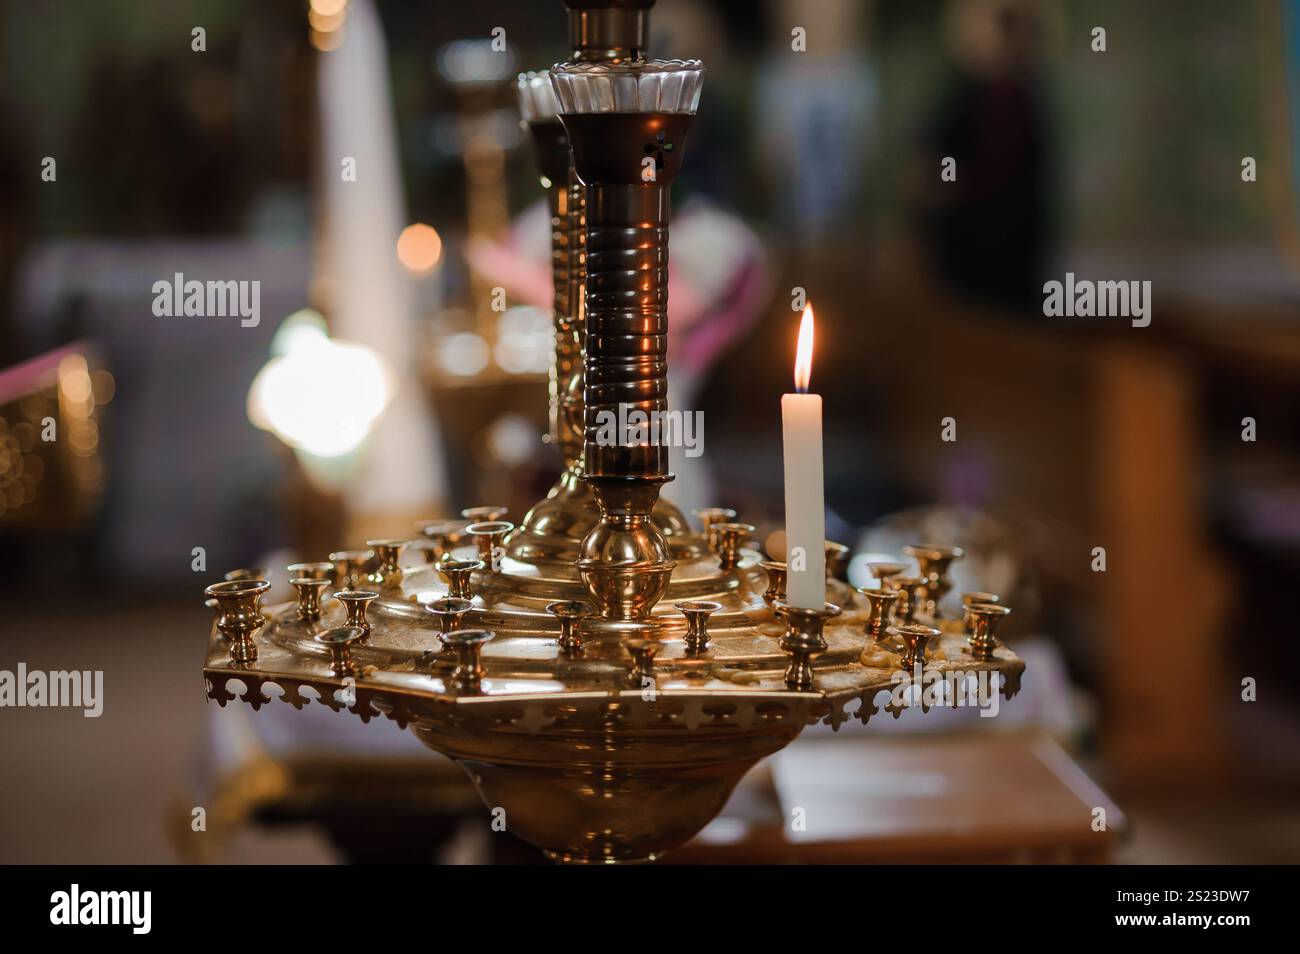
(969, 798)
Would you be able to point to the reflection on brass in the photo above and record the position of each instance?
(570, 614)
(309, 592)
(916, 640)
(697, 613)
(339, 643)
(625, 563)
(966, 600)
(488, 537)
(837, 560)
(354, 604)
(641, 675)
(459, 576)
(731, 537)
(238, 607)
(485, 514)
(934, 562)
(388, 575)
(351, 567)
(467, 644)
(775, 592)
(984, 637)
(881, 603)
(804, 641)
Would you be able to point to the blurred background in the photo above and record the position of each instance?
(363, 161)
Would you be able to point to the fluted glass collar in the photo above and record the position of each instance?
(537, 102)
(647, 86)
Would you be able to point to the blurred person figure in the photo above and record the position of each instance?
(989, 232)
(815, 111)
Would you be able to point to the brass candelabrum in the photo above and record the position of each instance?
(605, 674)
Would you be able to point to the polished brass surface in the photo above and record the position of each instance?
(625, 563)
(916, 639)
(459, 576)
(730, 538)
(986, 617)
(485, 514)
(388, 574)
(355, 603)
(309, 591)
(339, 642)
(934, 562)
(697, 613)
(803, 641)
(775, 592)
(238, 607)
(351, 567)
(967, 621)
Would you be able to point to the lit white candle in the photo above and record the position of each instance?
(805, 503)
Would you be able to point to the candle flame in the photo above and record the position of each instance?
(804, 353)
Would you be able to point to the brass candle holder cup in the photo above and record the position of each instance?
(248, 573)
(309, 592)
(803, 641)
(884, 572)
(969, 599)
(448, 612)
(354, 604)
(984, 638)
(351, 567)
(339, 643)
(697, 613)
(710, 517)
(445, 535)
(467, 644)
(459, 576)
(570, 614)
(388, 575)
(320, 570)
(775, 592)
(485, 514)
(881, 603)
(489, 535)
(916, 638)
(934, 562)
(731, 537)
(641, 675)
(239, 614)
(837, 560)
(908, 589)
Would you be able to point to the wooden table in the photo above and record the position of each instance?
(976, 798)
